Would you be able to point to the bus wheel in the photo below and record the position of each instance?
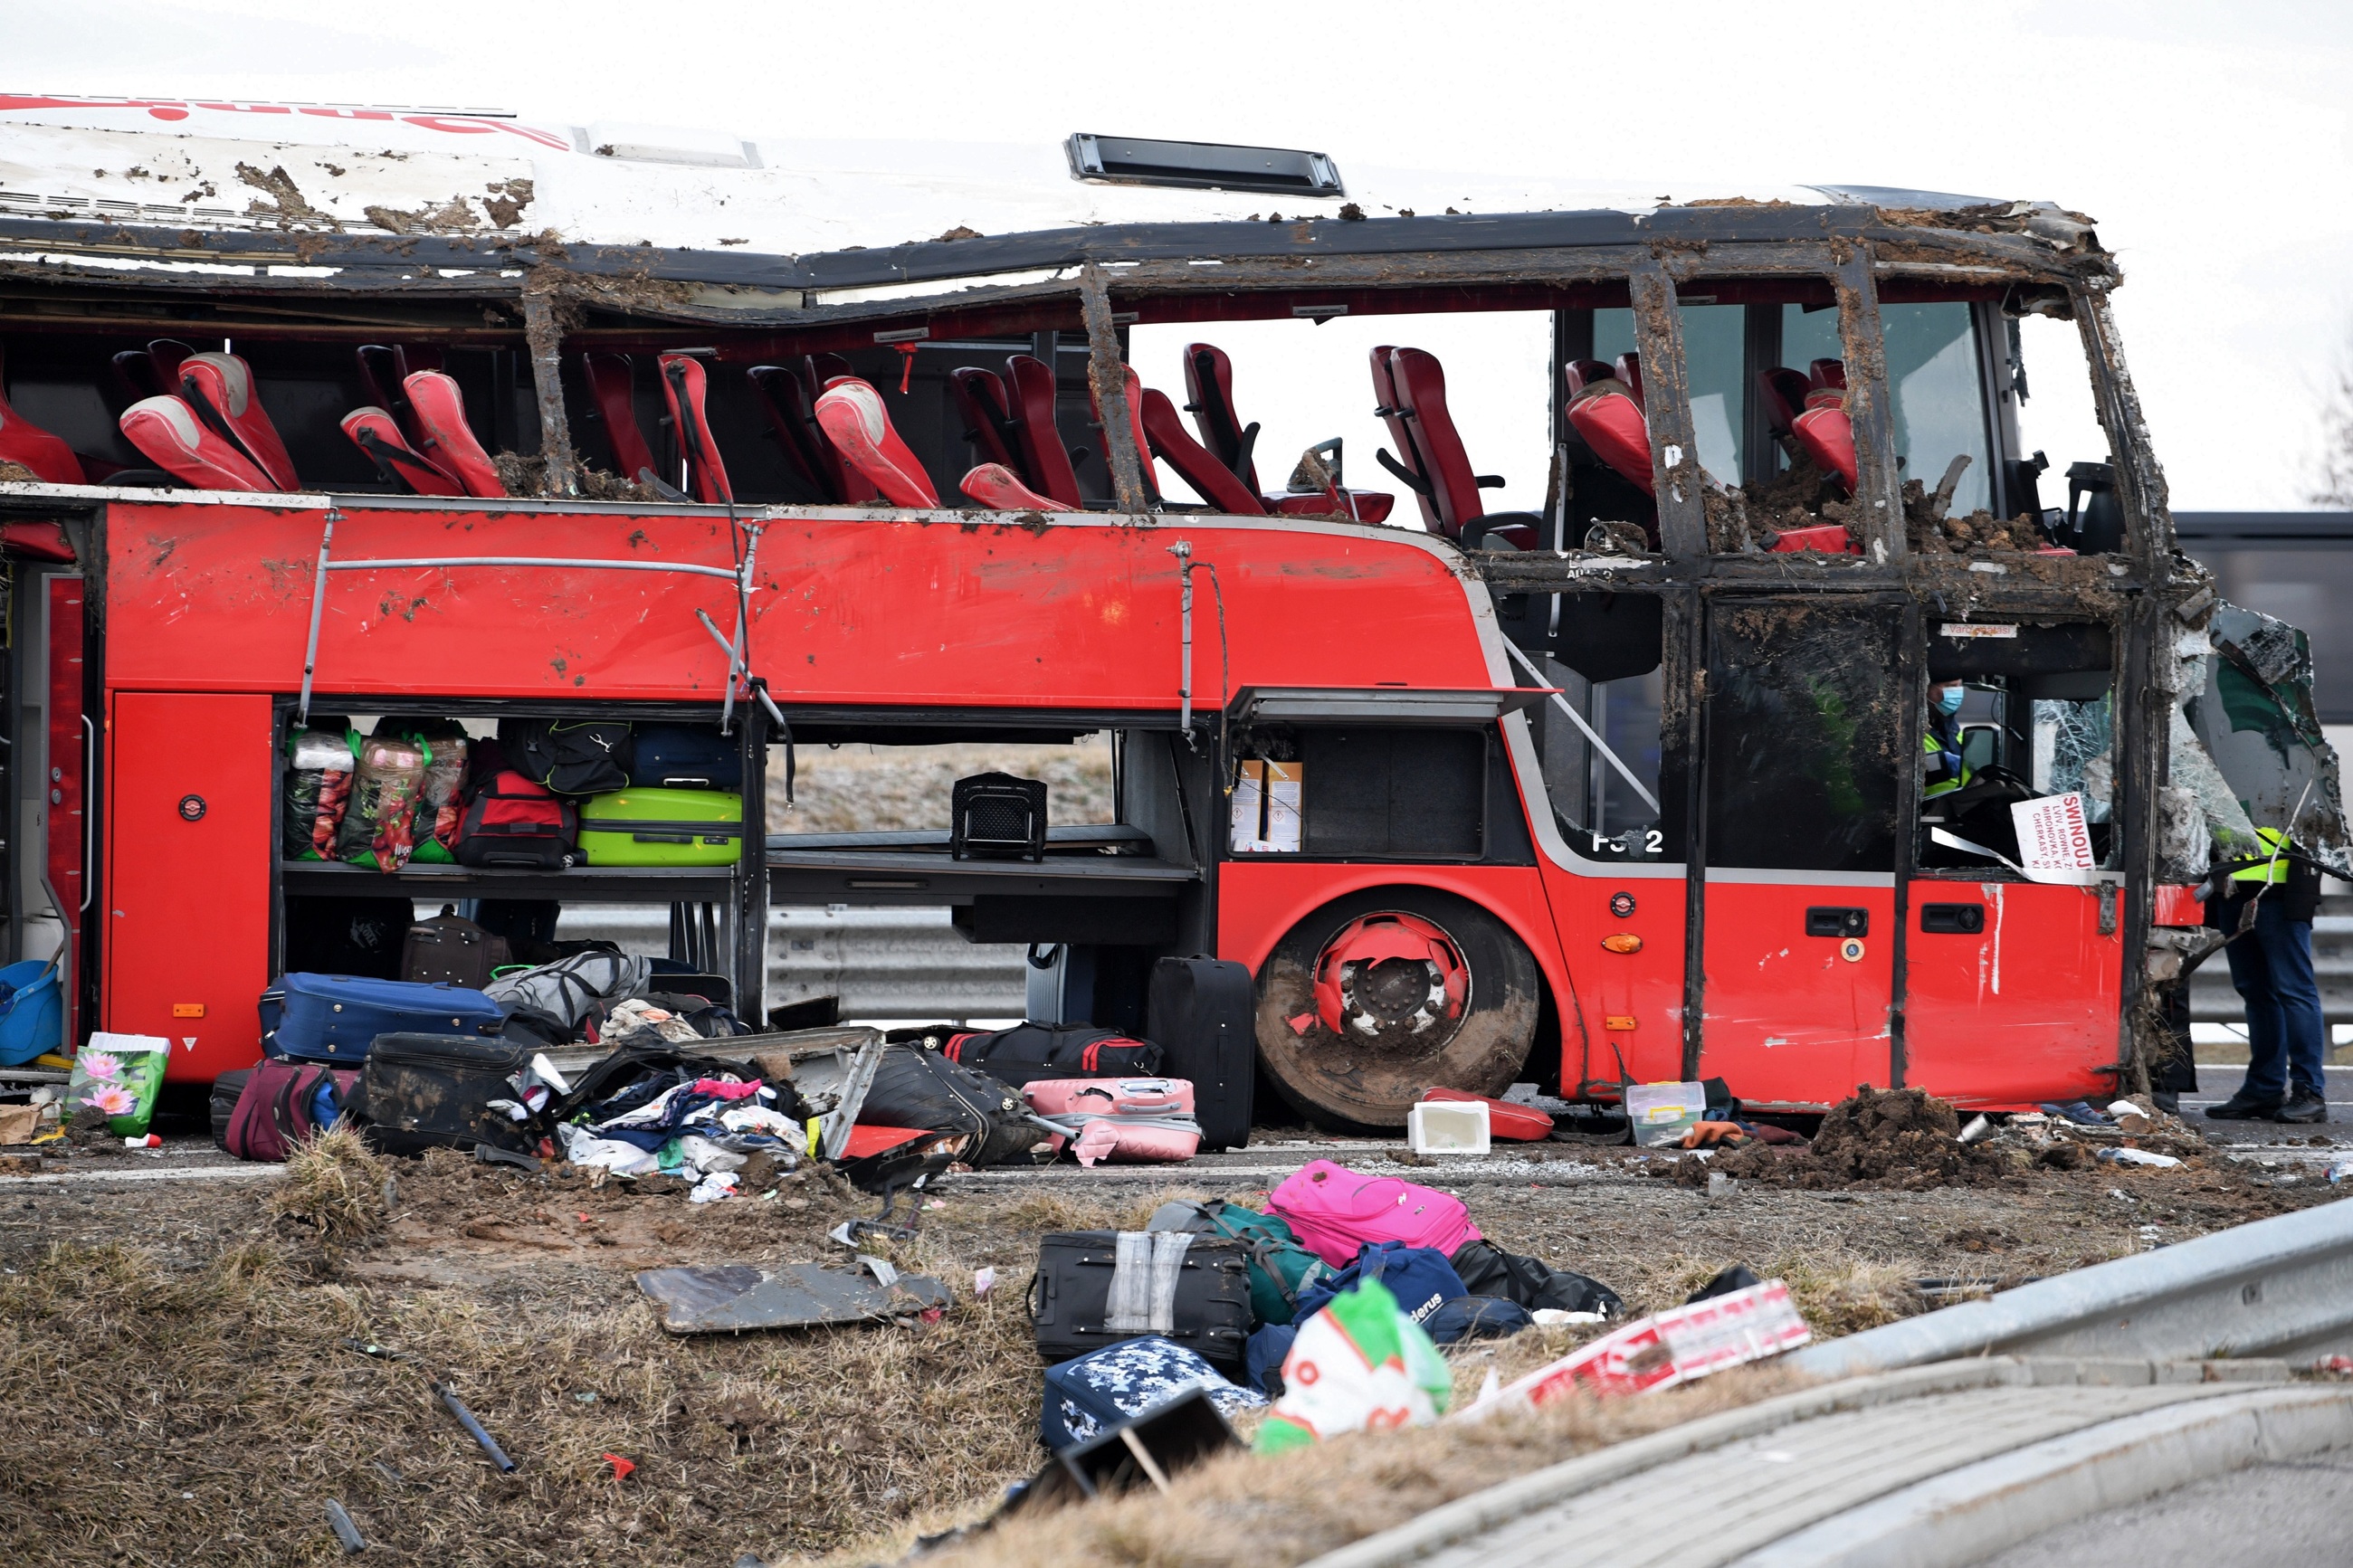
(1384, 993)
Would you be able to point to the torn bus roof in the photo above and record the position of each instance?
(199, 194)
(2253, 717)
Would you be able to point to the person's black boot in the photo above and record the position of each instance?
(2241, 1107)
(2166, 1100)
(2302, 1105)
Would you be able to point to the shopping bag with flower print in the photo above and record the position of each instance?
(119, 1075)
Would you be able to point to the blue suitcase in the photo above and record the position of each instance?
(336, 1018)
(685, 756)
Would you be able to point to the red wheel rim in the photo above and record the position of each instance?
(1392, 971)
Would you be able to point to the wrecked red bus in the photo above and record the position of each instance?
(1630, 773)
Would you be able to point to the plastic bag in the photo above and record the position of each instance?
(318, 790)
(119, 1075)
(441, 800)
(379, 827)
(1360, 1364)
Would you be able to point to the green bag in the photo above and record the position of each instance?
(119, 1075)
(1278, 1267)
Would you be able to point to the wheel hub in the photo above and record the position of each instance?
(1391, 977)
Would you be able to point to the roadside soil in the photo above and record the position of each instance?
(181, 1390)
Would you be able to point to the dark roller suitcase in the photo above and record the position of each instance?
(450, 950)
(226, 1088)
(1070, 1297)
(996, 817)
(1203, 1014)
(433, 1091)
(685, 756)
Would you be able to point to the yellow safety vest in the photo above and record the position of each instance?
(1960, 769)
(2273, 870)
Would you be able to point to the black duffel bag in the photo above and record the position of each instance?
(570, 756)
(433, 1091)
(1083, 1298)
(923, 1089)
(1487, 1270)
(1027, 1052)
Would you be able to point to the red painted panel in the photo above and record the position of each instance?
(1788, 1021)
(1646, 986)
(848, 609)
(187, 902)
(2023, 1011)
(65, 817)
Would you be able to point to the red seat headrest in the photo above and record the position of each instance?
(1783, 392)
(1033, 390)
(1617, 430)
(1630, 370)
(1826, 436)
(852, 415)
(1827, 373)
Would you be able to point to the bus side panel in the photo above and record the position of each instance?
(1789, 1018)
(1631, 1003)
(2021, 1011)
(187, 875)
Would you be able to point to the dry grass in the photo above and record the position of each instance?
(335, 1185)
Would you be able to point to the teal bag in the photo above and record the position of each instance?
(1279, 1269)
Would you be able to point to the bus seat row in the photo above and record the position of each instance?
(1807, 415)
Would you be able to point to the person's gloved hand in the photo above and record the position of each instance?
(1707, 1133)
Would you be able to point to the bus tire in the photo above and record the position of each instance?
(1383, 994)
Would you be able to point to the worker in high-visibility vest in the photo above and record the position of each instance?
(2271, 965)
(1942, 770)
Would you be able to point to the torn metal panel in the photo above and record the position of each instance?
(2140, 481)
(729, 1298)
(2253, 717)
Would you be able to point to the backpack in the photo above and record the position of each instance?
(1334, 1211)
(923, 1089)
(1030, 1051)
(554, 1000)
(1421, 1278)
(1488, 1271)
(280, 1107)
(570, 756)
(510, 820)
(1279, 1269)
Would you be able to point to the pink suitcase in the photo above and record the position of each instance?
(1334, 1211)
(1140, 1120)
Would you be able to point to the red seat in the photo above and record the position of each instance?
(1783, 392)
(385, 371)
(151, 371)
(1581, 374)
(378, 435)
(988, 413)
(1194, 463)
(1415, 409)
(1630, 370)
(220, 388)
(449, 443)
(1826, 436)
(22, 441)
(785, 398)
(685, 388)
(852, 415)
(612, 384)
(168, 431)
(1031, 392)
(1614, 426)
(1825, 373)
(995, 486)
(1209, 398)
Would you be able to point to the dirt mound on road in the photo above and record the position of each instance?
(1903, 1138)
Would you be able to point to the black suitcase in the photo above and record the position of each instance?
(916, 1087)
(1203, 1014)
(226, 1088)
(996, 817)
(1069, 1298)
(451, 949)
(433, 1091)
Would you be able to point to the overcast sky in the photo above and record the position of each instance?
(2210, 141)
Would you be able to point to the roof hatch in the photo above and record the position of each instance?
(1211, 165)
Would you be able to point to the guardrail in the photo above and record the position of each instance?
(882, 963)
(2280, 1287)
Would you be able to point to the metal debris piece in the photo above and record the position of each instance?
(474, 1429)
(346, 1530)
(728, 1298)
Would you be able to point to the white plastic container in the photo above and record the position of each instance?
(1664, 1112)
(1447, 1127)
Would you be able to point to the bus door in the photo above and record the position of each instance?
(2011, 987)
(1801, 749)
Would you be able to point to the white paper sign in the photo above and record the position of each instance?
(2054, 840)
(1266, 802)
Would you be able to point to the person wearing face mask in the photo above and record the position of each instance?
(1942, 769)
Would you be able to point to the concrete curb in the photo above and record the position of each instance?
(1483, 1511)
(2277, 1286)
(1969, 1514)
(167, 1173)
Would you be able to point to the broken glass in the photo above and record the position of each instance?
(2255, 718)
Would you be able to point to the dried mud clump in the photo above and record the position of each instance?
(527, 476)
(1928, 529)
(18, 474)
(1754, 515)
(1904, 1138)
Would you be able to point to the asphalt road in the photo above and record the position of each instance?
(2300, 1514)
(2217, 1084)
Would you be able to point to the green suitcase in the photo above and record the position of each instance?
(662, 827)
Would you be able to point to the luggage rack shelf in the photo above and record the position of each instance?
(646, 884)
(885, 875)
